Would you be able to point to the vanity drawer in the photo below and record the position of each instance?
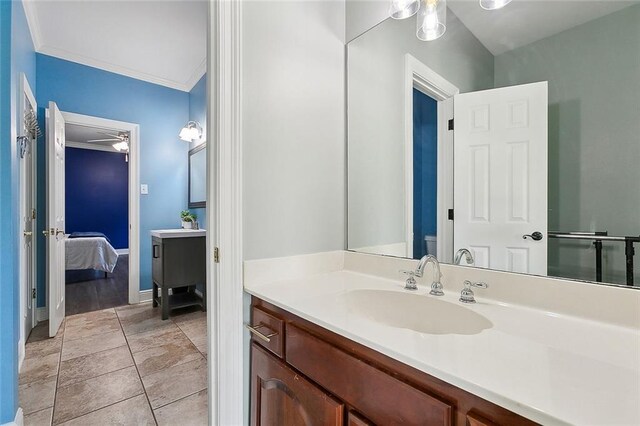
(267, 330)
(380, 397)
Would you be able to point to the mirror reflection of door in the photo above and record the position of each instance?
(425, 175)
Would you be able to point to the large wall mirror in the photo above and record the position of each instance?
(514, 135)
(198, 176)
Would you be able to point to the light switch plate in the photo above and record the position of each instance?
(144, 189)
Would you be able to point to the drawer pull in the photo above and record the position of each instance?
(254, 330)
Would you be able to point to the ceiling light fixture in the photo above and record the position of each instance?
(191, 132)
(401, 9)
(432, 15)
(493, 4)
(432, 20)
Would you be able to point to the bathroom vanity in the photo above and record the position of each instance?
(337, 339)
(304, 374)
(178, 266)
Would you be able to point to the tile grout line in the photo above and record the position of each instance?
(144, 389)
(55, 392)
(192, 342)
(182, 397)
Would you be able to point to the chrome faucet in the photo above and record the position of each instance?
(463, 252)
(436, 285)
(467, 296)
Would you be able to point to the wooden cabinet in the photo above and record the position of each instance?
(307, 375)
(280, 396)
(178, 263)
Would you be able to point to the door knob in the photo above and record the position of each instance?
(536, 236)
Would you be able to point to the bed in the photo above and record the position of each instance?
(90, 253)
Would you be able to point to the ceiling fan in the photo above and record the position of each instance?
(121, 142)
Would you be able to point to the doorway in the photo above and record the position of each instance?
(428, 110)
(110, 148)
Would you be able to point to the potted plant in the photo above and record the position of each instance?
(188, 219)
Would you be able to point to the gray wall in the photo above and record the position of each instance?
(594, 134)
(293, 128)
(376, 64)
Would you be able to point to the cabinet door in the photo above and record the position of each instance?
(281, 397)
(156, 262)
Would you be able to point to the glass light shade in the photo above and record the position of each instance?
(191, 132)
(493, 4)
(121, 146)
(401, 9)
(432, 20)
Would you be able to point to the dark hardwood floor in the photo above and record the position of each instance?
(88, 291)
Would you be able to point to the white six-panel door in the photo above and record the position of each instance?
(500, 177)
(55, 217)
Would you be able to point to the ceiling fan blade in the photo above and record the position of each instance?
(111, 134)
(105, 140)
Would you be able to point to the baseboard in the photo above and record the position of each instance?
(18, 420)
(122, 251)
(146, 295)
(42, 314)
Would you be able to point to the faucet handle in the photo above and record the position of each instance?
(410, 284)
(467, 296)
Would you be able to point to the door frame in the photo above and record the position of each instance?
(429, 82)
(25, 91)
(134, 184)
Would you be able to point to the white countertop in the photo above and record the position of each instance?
(178, 233)
(551, 368)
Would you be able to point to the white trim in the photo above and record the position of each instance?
(198, 73)
(145, 296)
(422, 77)
(224, 215)
(42, 314)
(183, 86)
(91, 146)
(134, 185)
(122, 251)
(24, 90)
(33, 23)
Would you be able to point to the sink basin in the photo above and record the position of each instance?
(417, 312)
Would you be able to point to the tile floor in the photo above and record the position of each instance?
(117, 366)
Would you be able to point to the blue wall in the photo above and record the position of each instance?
(97, 194)
(425, 170)
(16, 56)
(198, 112)
(161, 113)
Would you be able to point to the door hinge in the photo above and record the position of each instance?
(451, 124)
(33, 214)
(450, 214)
(216, 255)
(33, 293)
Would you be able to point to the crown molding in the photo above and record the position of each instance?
(117, 69)
(33, 23)
(197, 74)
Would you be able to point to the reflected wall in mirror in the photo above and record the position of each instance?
(198, 176)
(514, 136)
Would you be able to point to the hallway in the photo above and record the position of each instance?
(117, 366)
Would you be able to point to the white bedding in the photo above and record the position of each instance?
(90, 253)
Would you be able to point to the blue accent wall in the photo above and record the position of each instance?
(198, 112)
(425, 170)
(17, 56)
(161, 113)
(97, 194)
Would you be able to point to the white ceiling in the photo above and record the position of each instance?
(159, 41)
(525, 21)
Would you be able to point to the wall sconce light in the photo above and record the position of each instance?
(191, 132)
